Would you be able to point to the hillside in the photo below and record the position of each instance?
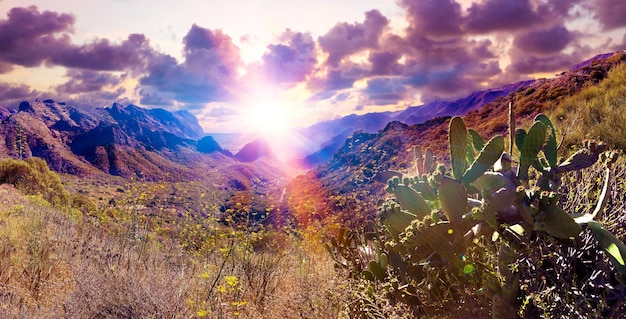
(121, 141)
(347, 180)
(330, 135)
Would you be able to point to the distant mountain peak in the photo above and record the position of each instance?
(255, 150)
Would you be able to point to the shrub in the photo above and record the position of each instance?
(32, 176)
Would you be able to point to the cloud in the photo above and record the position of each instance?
(385, 90)
(20, 92)
(529, 64)
(96, 98)
(622, 45)
(337, 79)
(345, 39)
(288, 62)
(611, 14)
(385, 62)
(500, 15)
(101, 55)
(449, 68)
(29, 37)
(545, 41)
(82, 81)
(433, 18)
(221, 111)
(207, 74)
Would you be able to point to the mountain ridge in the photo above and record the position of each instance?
(347, 180)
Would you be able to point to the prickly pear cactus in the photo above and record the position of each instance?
(434, 218)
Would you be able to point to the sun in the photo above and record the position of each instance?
(268, 118)
(269, 115)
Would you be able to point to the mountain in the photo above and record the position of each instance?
(347, 183)
(474, 101)
(255, 150)
(180, 123)
(330, 135)
(117, 140)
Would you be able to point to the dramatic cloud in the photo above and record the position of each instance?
(208, 73)
(433, 18)
(17, 92)
(449, 68)
(288, 62)
(83, 81)
(530, 64)
(546, 41)
(446, 49)
(384, 91)
(101, 55)
(345, 39)
(500, 15)
(337, 79)
(610, 13)
(96, 98)
(385, 62)
(29, 37)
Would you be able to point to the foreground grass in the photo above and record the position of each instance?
(57, 265)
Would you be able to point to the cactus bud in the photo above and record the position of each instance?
(428, 220)
(477, 213)
(434, 215)
(441, 169)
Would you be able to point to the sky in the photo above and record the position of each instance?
(266, 64)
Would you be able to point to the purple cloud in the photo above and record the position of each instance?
(82, 81)
(208, 73)
(101, 55)
(345, 39)
(546, 41)
(385, 62)
(500, 15)
(29, 37)
(17, 92)
(385, 90)
(433, 18)
(336, 79)
(288, 62)
(450, 68)
(96, 98)
(529, 64)
(611, 14)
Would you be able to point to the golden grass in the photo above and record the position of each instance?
(597, 112)
(53, 265)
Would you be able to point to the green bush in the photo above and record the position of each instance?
(32, 176)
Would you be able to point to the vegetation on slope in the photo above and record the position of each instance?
(137, 258)
(597, 112)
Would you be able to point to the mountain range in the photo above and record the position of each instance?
(130, 140)
(348, 180)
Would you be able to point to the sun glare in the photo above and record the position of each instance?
(273, 116)
(269, 115)
(268, 118)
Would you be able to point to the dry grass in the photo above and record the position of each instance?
(52, 265)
